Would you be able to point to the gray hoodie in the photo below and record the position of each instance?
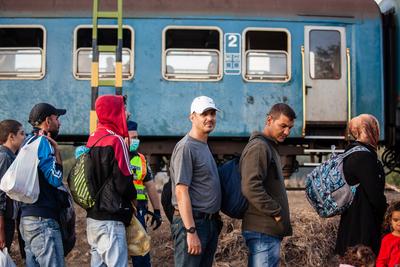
(264, 188)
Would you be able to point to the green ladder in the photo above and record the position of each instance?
(97, 49)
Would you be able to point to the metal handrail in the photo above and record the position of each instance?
(303, 132)
(348, 85)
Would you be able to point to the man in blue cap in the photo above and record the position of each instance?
(145, 187)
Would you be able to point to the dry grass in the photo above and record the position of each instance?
(311, 244)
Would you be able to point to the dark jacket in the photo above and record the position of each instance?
(50, 175)
(264, 188)
(112, 176)
(6, 204)
(362, 222)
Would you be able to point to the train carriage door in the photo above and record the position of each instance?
(325, 76)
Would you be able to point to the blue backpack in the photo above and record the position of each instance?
(326, 187)
(233, 203)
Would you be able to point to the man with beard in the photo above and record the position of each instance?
(39, 227)
(267, 220)
(196, 190)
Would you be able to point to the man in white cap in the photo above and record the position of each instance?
(196, 190)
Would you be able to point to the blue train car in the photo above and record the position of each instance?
(325, 58)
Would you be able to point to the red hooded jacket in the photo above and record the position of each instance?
(112, 176)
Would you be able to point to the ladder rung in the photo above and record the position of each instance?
(107, 48)
(110, 83)
(107, 14)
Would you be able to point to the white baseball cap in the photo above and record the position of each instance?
(201, 104)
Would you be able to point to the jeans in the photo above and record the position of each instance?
(264, 250)
(43, 242)
(107, 240)
(142, 261)
(207, 230)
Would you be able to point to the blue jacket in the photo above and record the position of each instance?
(50, 175)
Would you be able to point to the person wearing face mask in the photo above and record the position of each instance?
(39, 227)
(145, 187)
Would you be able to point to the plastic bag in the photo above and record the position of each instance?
(21, 182)
(137, 238)
(5, 259)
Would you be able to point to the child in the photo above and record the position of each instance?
(12, 136)
(358, 256)
(389, 255)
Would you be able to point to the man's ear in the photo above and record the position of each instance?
(191, 116)
(10, 137)
(268, 120)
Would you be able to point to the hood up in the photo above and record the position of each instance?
(110, 110)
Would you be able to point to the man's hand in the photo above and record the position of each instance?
(156, 219)
(53, 143)
(194, 245)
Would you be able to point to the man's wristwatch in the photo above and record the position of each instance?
(191, 230)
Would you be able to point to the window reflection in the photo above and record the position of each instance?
(20, 60)
(272, 64)
(192, 62)
(325, 54)
(106, 63)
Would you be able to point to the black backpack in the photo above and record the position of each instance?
(66, 219)
(166, 203)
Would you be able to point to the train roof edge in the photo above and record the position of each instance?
(358, 9)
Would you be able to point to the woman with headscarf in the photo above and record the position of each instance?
(361, 223)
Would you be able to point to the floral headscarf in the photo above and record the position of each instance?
(365, 128)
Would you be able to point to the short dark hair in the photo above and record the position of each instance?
(7, 127)
(281, 108)
(359, 255)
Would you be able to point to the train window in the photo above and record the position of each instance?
(325, 54)
(192, 53)
(106, 36)
(266, 55)
(22, 52)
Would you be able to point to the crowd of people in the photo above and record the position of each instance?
(124, 184)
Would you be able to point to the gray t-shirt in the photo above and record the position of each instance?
(192, 164)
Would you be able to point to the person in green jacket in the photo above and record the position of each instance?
(267, 219)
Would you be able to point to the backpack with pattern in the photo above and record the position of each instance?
(326, 187)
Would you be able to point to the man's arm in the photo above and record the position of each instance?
(185, 211)
(153, 195)
(49, 162)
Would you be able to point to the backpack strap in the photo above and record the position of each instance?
(109, 178)
(355, 149)
(270, 157)
(95, 143)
